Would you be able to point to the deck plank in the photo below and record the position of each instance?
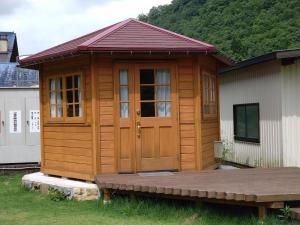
(245, 185)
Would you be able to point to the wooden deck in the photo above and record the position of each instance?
(265, 188)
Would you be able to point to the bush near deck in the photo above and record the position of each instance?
(20, 206)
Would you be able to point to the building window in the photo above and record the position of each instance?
(3, 46)
(65, 97)
(209, 88)
(246, 122)
(155, 93)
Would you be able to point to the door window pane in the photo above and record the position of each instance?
(123, 77)
(147, 93)
(162, 77)
(147, 109)
(147, 76)
(124, 93)
(124, 109)
(69, 82)
(163, 93)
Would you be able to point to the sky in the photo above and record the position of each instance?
(41, 24)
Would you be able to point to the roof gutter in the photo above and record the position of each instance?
(84, 49)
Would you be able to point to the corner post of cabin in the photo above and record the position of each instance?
(198, 106)
(95, 123)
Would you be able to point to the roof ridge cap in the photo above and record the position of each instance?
(104, 34)
(175, 34)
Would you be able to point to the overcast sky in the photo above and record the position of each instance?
(41, 24)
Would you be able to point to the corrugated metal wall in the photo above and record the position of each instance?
(256, 84)
(291, 114)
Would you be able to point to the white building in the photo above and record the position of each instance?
(260, 110)
(19, 107)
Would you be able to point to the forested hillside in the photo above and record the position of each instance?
(239, 28)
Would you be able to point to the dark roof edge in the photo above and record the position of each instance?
(279, 54)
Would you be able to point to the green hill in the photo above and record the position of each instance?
(239, 28)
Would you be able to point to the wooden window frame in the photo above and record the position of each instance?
(245, 139)
(215, 92)
(64, 118)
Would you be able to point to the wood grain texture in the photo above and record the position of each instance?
(273, 186)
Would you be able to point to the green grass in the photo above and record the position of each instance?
(20, 206)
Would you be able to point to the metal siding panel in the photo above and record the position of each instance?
(291, 114)
(256, 84)
(15, 149)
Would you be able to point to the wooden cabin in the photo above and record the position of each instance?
(130, 97)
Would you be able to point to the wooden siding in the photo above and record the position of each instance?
(106, 136)
(210, 128)
(67, 148)
(187, 131)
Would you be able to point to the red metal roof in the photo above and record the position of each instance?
(128, 35)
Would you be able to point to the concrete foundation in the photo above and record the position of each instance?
(77, 190)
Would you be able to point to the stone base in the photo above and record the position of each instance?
(77, 190)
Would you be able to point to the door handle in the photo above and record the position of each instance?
(2, 123)
(139, 128)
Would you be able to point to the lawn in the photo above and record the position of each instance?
(20, 206)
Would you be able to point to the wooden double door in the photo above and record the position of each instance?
(146, 115)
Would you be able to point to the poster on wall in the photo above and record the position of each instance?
(34, 121)
(15, 121)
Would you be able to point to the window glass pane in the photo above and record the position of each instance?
(163, 76)
(147, 109)
(52, 97)
(77, 81)
(59, 111)
(77, 110)
(69, 82)
(147, 76)
(240, 121)
(77, 96)
(70, 110)
(252, 121)
(52, 85)
(59, 97)
(124, 110)
(69, 96)
(161, 109)
(163, 93)
(168, 109)
(59, 84)
(53, 111)
(124, 93)
(123, 77)
(147, 93)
